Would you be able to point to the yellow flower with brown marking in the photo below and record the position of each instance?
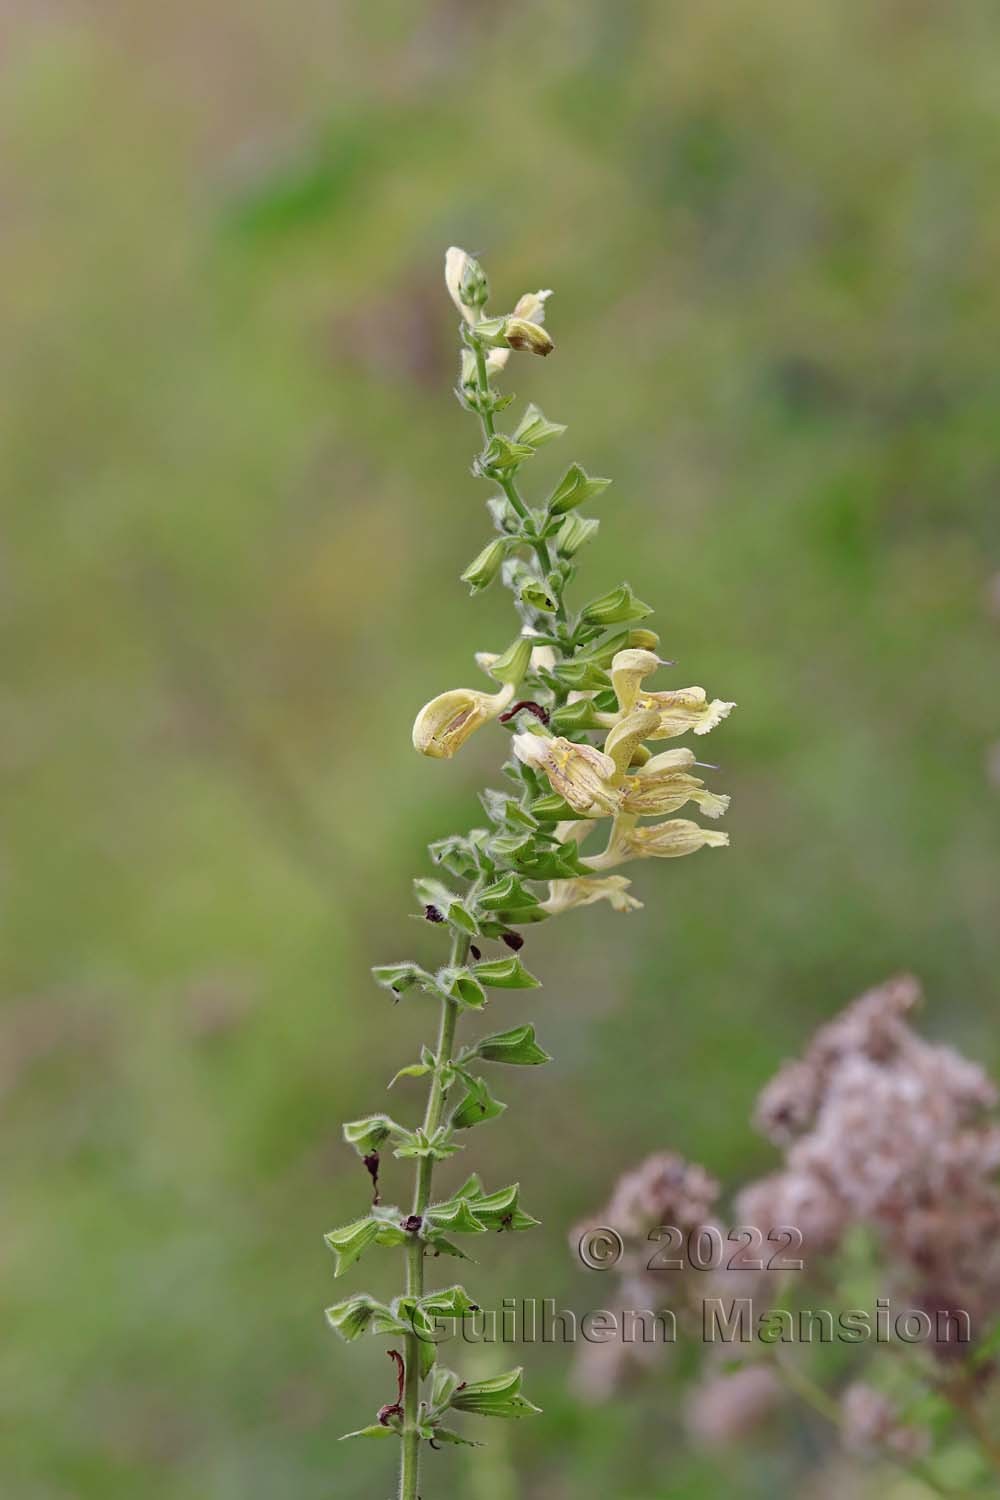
(668, 840)
(580, 774)
(687, 708)
(445, 723)
(664, 784)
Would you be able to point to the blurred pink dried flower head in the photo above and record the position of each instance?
(663, 1189)
(869, 1421)
(730, 1406)
(885, 1129)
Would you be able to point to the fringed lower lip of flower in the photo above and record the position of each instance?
(445, 723)
(665, 784)
(580, 774)
(668, 840)
(584, 891)
(678, 711)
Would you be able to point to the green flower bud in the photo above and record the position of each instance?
(622, 640)
(485, 566)
(500, 455)
(517, 1046)
(572, 717)
(478, 1106)
(512, 665)
(573, 533)
(573, 489)
(499, 1397)
(350, 1242)
(536, 595)
(616, 605)
(536, 429)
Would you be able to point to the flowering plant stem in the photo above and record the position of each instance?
(570, 677)
(410, 1465)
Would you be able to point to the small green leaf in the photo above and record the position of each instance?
(516, 1046)
(445, 1435)
(506, 974)
(376, 1430)
(573, 489)
(499, 1397)
(478, 1106)
(570, 718)
(506, 892)
(415, 1070)
(350, 1242)
(553, 809)
(459, 984)
(581, 676)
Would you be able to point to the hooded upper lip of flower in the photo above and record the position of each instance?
(444, 724)
(678, 711)
(580, 774)
(627, 735)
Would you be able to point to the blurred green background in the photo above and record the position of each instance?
(238, 503)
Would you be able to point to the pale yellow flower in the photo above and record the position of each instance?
(668, 840)
(580, 774)
(464, 278)
(687, 708)
(530, 308)
(445, 723)
(586, 889)
(664, 784)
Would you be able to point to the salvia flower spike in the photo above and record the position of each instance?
(573, 711)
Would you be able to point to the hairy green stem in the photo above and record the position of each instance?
(508, 485)
(409, 1474)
